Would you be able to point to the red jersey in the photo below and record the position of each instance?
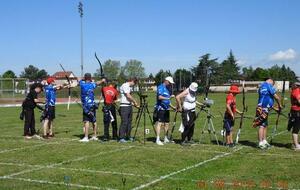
(110, 94)
(230, 99)
(295, 97)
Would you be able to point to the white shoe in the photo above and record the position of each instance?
(166, 140)
(159, 143)
(28, 137)
(37, 137)
(85, 139)
(266, 143)
(94, 138)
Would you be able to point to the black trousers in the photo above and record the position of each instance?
(29, 124)
(189, 124)
(107, 109)
(126, 119)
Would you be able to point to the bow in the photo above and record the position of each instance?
(69, 89)
(243, 113)
(101, 69)
(278, 112)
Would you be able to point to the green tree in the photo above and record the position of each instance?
(33, 73)
(260, 74)
(205, 67)
(230, 68)
(247, 73)
(182, 78)
(134, 68)
(161, 75)
(111, 69)
(9, 74)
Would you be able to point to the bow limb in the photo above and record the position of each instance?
(101, 68)
(69, 89)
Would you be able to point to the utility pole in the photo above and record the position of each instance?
(80, 10)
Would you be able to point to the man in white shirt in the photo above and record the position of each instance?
(126, 109)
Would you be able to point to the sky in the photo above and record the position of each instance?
(163, 34)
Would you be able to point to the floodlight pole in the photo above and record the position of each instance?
(80, 10)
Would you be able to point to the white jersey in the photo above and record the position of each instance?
(125, 89)
(189, 102)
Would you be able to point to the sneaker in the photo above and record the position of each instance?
(94, 138)
(28, 137)
(85, 139)
(131, 139)
(191, 142)
(262, 146)
(266, 144)
(297, 148)
(166, 140)
(51, 136)
(122, 141)
(159, 143)
(38, 137)
(45, 137)
(185, 143)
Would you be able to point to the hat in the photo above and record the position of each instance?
(50, 80)
(193, 86)
(234, 89)
(170, 79)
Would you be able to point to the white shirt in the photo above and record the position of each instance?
(125, 89)
(189, 101)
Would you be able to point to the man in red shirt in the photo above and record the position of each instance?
(230, 113)
(110, 95)
(294, 120)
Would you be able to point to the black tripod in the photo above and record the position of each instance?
(143, 110)
(209, 125)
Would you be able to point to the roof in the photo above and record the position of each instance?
(62, 74)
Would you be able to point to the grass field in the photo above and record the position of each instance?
(65, 163)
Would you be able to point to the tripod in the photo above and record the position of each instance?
(143, 110)
(209, 125)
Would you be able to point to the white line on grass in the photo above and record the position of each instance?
(185, 169)
(77, 169)
(59, 183)
(33, 146)
(64, 162)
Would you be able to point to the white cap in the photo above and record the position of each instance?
(193, 86)
(170, 79)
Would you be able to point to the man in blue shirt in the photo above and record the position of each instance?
(89, 106)
(267, 94)
(50, 100)
(162, 107)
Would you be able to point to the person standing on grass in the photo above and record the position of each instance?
(188, 110)
(110, 95)
(267, 94)
(163, 104)
(126, 109)
(89, 106)
(230, 113)
(294, 119)
(49, 113)
(28, 106)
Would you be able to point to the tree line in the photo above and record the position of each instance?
(219, 72)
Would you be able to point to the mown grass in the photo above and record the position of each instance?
(65, 163)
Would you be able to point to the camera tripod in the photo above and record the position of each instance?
(142, 112)
(209, 125)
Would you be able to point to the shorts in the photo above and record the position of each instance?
(50, 113)
(294, 122)
(261, 117)
(228, 123)
(91, 117)
(163, 116)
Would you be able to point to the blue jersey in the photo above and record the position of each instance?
(87, 94)
(162, 90)
(266, 94)
(50, 95)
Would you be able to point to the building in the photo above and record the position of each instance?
(60, 77)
